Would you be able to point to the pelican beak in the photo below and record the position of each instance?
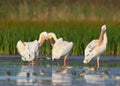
(46, 38)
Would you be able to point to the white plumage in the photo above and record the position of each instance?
(96, 47)
(30, 50)
(90, 51)
(60, 47)
(23, 51)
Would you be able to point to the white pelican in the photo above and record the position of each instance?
(96, 47)
(30, 50)
(59, 48)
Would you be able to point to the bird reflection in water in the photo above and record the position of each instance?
(61, 76)
(93, 76)
(27, 76)
(62, 70)
(88, 69)
(8, 74)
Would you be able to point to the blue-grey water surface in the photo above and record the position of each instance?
(15, 72)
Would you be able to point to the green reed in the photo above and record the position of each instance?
(80, 32)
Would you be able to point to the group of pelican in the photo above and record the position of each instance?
(30, 50)
(61, 48)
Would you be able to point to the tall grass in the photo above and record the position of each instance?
(80, 32)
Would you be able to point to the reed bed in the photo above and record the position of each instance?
(80, 32)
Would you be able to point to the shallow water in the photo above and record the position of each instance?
(15, 72)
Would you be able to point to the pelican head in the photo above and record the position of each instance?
(42, 38)
(103, 28)
(43, 35)
(52, 35)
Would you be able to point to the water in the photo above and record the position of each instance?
(15, 72)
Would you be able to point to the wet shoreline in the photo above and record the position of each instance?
(70, 59)
(81, 57)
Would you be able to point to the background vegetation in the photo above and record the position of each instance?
(81, 33)
(75, 20)
(60, 9)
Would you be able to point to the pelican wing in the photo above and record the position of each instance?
(57, 49)
(22, 50)
(61, 48)
(34, 49)
(90, 51)
(28, 50)
(90, 47)
(58, 42)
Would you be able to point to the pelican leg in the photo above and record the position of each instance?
(98, 64)
(65, 58)
(37, 55)
(33, 62)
